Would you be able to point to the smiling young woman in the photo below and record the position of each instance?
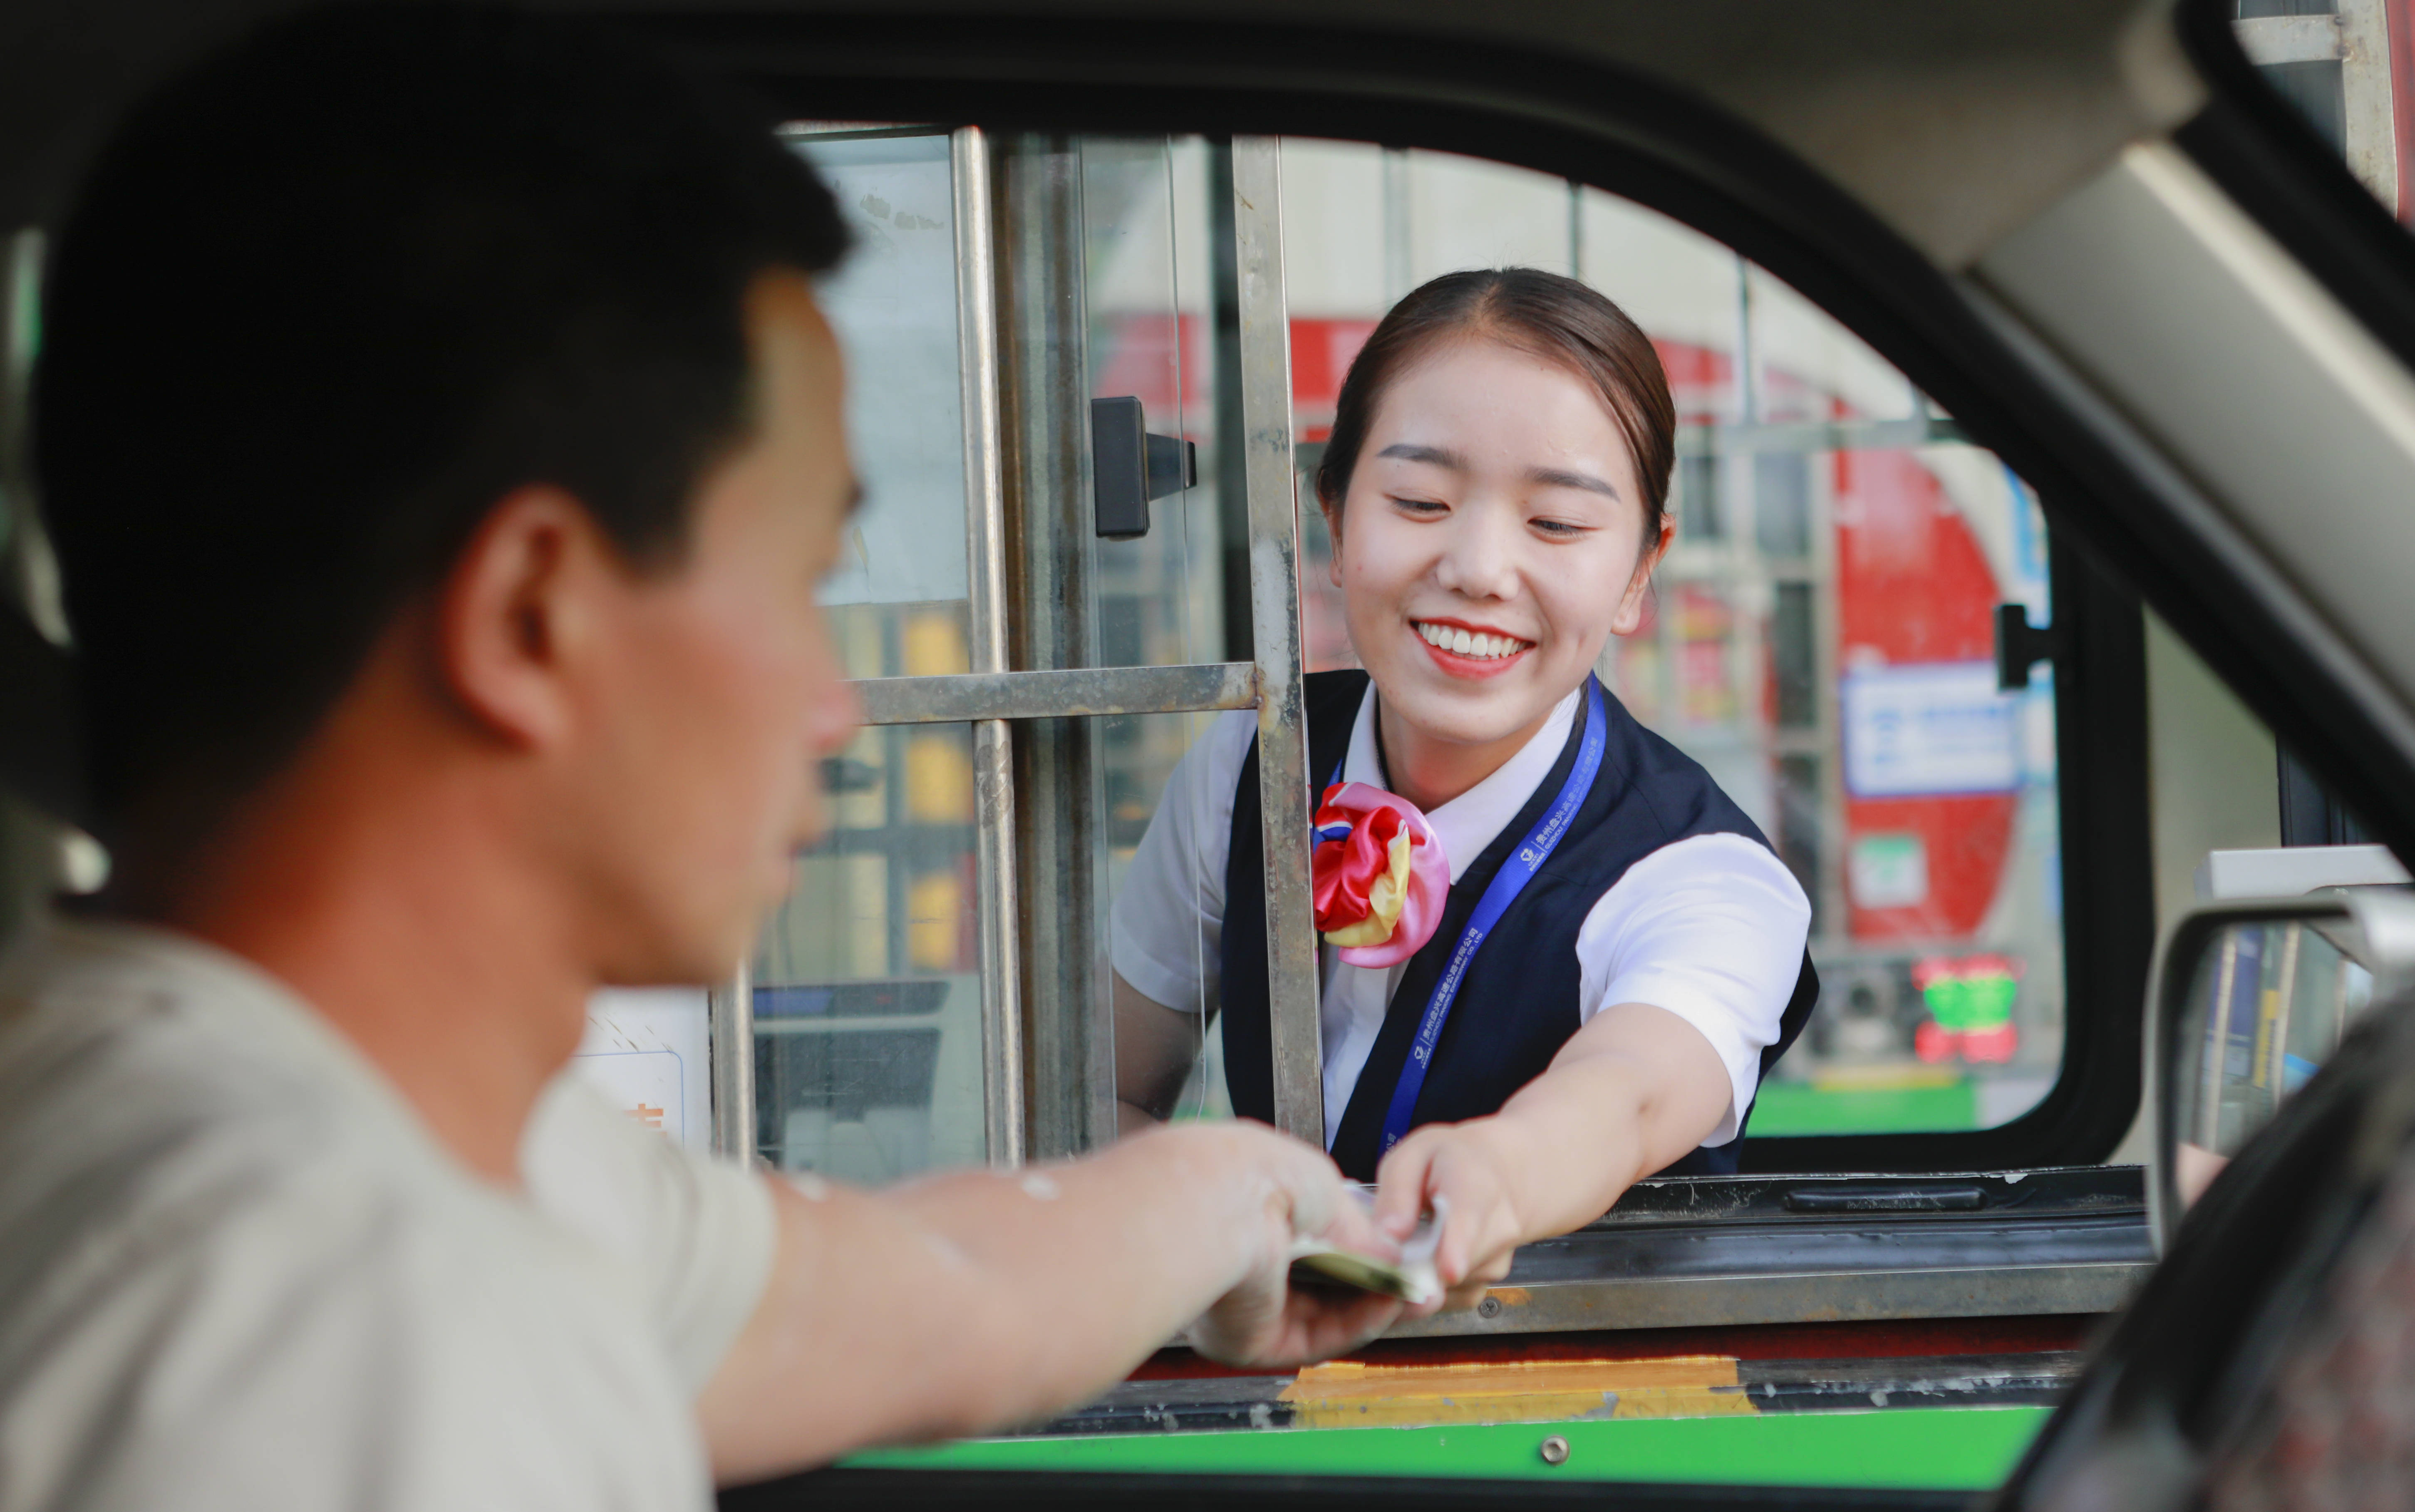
(1494, 522)
(1558, 957)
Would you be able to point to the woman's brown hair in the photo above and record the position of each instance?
(1552, 316)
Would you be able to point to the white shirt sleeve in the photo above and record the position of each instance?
(1169, 922)
(698, 1233)
(1711, 929)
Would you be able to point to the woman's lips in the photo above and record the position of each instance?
(1473, 668)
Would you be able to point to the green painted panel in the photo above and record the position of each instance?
(1792, 1108)
(1952, 1448)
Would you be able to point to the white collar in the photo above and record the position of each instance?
(1476, 817)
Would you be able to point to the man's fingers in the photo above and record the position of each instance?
(1330, 1208)
(1329, 1323)
(1356, 1229)
(1307, 1182)
(1333, 1329)
(1309, 1324)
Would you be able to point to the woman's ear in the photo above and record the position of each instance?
(1333, 533)
(1629, 617)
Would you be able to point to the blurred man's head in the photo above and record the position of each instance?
(473, 355)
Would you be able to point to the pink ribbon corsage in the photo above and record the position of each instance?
(1381, 876)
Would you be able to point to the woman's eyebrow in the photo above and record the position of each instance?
(1557, 478)
(1547, 477)
(1437, 456)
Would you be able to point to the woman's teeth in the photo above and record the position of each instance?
(1473, 643)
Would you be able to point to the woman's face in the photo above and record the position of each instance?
(1490, 542)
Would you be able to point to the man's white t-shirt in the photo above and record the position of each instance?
(237, 1271)
(1710, 928)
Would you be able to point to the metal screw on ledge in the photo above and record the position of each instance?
(1489, 1307)
(1555, 1450)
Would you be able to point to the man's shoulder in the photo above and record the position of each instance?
(316, 1326)
(148, 1121)
(135, 1077)
(209, 1236)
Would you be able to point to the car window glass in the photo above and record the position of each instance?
(1822, 635)
(2212, 770)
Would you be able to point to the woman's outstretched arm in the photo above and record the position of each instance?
(1632, 1091)
(1155, 1048)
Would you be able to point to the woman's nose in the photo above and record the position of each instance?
(1479, 560)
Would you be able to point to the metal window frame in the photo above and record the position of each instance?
(1079, 692)
(991, 699)
(2356, 36)
(994, 887)
(1275, 628)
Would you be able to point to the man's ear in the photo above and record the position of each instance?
(515, 611)
(1629, 617)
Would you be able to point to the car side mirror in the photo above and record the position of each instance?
(2248, 1001)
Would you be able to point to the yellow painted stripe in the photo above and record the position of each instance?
(1349, 1394)
(1685, 1401)
(1354, 1378)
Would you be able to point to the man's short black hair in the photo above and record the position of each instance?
(328, 297)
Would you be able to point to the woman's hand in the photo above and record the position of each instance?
(1466, 1166)
(1633, 1090)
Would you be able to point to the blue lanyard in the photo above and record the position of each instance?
(1507, 884)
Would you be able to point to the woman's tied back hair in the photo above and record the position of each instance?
(1548, 314)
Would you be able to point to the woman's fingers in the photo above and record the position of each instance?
(1474, 1198)
(1470, 1287)
(1461, 1180)
(1452, 1169)
(1401, 1183)
(1468, 1213)
(1420, 1169)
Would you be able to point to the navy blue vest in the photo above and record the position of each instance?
(1518, 1004)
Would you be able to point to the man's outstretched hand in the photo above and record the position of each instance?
(1266, 1321)
(972, 1300)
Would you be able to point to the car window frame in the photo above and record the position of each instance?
(1681, 157)
(2262, 153)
